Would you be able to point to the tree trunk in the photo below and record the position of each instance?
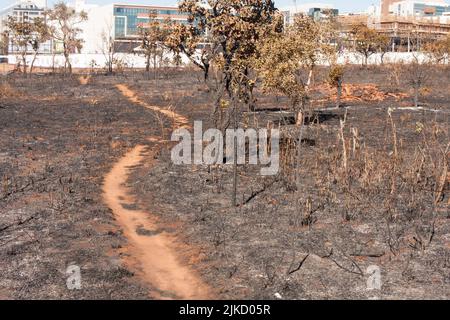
(110, 63)
(24, 61)
(206, 71)
(339, 93)
(68, 64)
(416, 96)
(154, 67)
(300, 124)
(310, 77)
(53, 62)
(111, 56)
(234, 200)
(32, 62)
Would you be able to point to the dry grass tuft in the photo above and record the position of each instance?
(7, 91)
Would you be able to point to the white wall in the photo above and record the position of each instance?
(85, 60)
(389, 57)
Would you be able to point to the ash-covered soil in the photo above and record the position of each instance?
(382, 205)
(329, 235)
(58, 139)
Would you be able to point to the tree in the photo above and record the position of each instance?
(384, 45)
(21, 35)
(153, 37)
(417, 74)
(439, 51)
(41, 35)
(192, 41)
(367, 41)
(285, 59)
(317, 35)
(4, 43)
(108, 48)
(236, 27)
(64, 21)
(26, 36)
(335, 78)
(286, 63)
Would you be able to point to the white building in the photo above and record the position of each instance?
(414, 8)
(23, 11)
(374, 11)
(120, 22)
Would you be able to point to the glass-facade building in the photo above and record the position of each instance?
(430, 10)
(128, 18)
(418, 9)
(321, 13)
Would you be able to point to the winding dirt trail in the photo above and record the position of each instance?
(179, 120)
(153, 253)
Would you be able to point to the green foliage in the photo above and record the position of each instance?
(286, 58)
(233, 30)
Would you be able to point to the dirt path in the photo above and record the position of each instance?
(179, 120)
(153, 253)
(84, 80)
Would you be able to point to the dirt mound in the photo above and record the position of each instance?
(359, 93)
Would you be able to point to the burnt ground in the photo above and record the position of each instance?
(387, 209)
(57, 141)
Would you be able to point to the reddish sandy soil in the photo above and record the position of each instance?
(155, 253)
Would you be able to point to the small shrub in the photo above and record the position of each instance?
(6, 90)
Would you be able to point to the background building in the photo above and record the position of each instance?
(385, 6)
(409, 24)
(128, 18)
(120, 23)
(316, 11)
(411, 8)
(322, 13)
(407, 8)
(23, 11)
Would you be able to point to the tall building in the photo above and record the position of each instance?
(22, 11)
(412, 7)
(385, 4)
(127, 18)
(317, 11)
(121, 23)
(322, 13)
(419, 8)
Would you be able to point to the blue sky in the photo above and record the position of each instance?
(342, 5)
